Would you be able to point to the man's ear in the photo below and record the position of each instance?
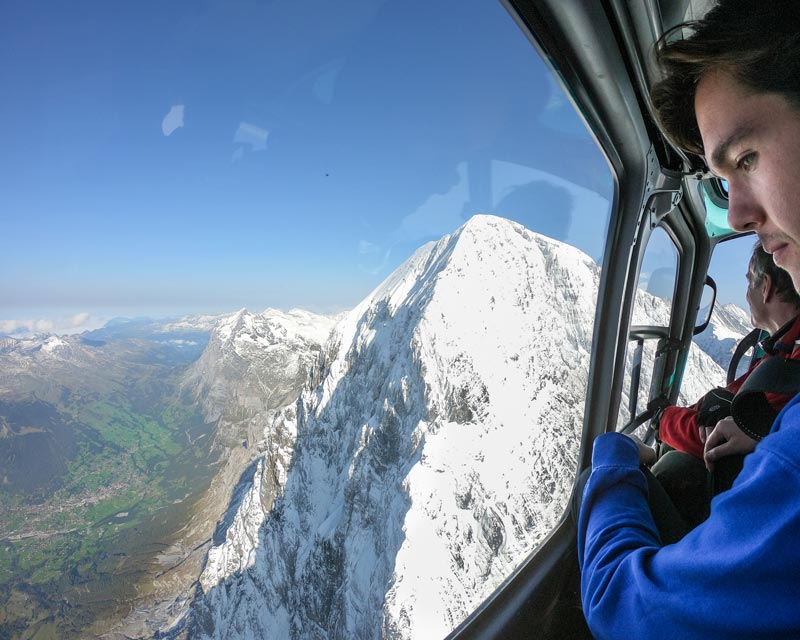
(767, 288)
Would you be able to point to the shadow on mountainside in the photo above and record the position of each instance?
(241, 488)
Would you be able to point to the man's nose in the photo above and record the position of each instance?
(744, 212)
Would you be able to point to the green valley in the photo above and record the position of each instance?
(101, 461)
(125, 491)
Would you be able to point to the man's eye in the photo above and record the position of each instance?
(747, 162)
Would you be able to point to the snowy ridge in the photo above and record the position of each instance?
(729, 324)
(194, 323)
(44, 344)
(433, 448)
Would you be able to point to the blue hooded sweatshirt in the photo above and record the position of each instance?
(737, 575)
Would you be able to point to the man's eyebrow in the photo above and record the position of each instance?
(721, 150)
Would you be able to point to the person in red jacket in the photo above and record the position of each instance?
(774, 307)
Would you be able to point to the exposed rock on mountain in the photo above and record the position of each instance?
(254, 364)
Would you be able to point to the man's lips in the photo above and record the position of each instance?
(770, 243)
(776, 249)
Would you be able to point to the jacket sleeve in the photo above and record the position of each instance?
(678, 428)
(720, 579)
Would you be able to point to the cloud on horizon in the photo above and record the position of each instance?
(80, 319)
(61, 325)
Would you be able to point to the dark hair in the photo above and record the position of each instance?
(761, 264)
(757, 42)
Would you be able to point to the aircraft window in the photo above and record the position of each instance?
(710, 353)
(411, 176)
(652, 311)
(731, 319)
(656, 279)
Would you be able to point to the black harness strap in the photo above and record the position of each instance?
(745, 344)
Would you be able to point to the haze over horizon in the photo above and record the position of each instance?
(203, 159)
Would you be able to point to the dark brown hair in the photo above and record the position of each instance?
(757, 42)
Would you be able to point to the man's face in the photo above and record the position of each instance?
(752, 140)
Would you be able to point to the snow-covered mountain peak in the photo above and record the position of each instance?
(731, 319)
(482, 268)
(444, 426)
(473, 243)
(300, 322)
(233, 324)
(54, 344)
(50, 344)
(271, 329)
(434, 446)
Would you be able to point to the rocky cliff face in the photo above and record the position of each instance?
(253, 365)
(432, 448)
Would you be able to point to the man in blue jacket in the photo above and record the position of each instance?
(732, 95)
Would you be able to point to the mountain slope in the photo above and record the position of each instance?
(252, 366)
(255, 363)
(434, 446)
(108, 427)
(729, 324)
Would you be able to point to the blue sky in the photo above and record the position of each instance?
(167, 158)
